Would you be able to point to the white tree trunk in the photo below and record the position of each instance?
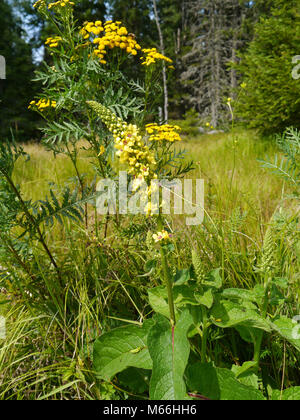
(164, 71)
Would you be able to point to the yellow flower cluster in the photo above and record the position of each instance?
(61, 3)
(40, 4)
(53, 42)
(152, 56)
(132, 150)
(146, 193)
(128, 142)
(114, 36)
(162, 236)
(91, 28)
(164, 132)
(42, 104)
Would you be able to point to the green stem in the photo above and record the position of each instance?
(167, 277)
(168, 281)
(258, 342)
(73, 157)
(204, 335)
(31, 219)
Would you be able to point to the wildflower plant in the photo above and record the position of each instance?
(87, 66)
(87, 97)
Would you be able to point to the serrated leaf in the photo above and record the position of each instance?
(116, 350)
(169, 349)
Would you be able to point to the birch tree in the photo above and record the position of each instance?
(164, 69)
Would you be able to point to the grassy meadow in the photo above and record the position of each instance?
(47, 353)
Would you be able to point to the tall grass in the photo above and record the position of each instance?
(48, 350)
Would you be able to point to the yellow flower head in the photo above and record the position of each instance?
(61, 4)
(109, 35)
(164, 132)
(40, 4)
(42, 104)
(152, 56)
(53, 42)
(102, 150)
(162, 236)
(129, 145)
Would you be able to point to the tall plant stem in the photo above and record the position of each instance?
(258, 342)
(17, 257)
(73, 157)
(33, 223)
(204, 335)
(167, 276)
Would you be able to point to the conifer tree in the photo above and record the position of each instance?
(271, 99)
(16, 91)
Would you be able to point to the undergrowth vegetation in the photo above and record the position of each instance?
(117, 306)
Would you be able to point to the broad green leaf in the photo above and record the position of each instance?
(219, 384)
(121, 348)
(290, 394)
(276, 297)
(206, 298)
(184, 295)
(227, 314)
(158, 299)
(245, 374)
(247, 297)
(214, 279)
(135, 380)
(248, 334)
(288, 329)
(239, 294)
(197, 315)
(240, 370)
(182, 277)
(169, 349)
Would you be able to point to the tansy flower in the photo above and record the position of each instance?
(162, 236)
(102, 150)
(42, 104)
(40, 4)
(61, 4)
(164, 132)
(53, 42)
(129, 145)
(113, 36)
(152, 56)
